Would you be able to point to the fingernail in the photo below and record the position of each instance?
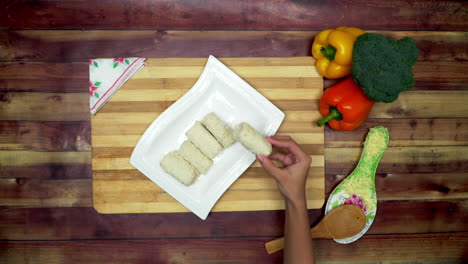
(260, 158)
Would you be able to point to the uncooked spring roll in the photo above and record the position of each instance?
(194, 156)
(179, 168)
(204, 141)
(252, 140)
(220, 130)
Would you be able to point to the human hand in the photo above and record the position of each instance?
(291, 178)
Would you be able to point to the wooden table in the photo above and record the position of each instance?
(46, 213)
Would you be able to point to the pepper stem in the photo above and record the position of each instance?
(329, 52)
(334, 114)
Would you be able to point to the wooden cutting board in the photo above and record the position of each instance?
(292, 84)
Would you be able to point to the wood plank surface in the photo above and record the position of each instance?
(73, 77)
(45, 136)
(42, 223)
(42, 193)
(407, 132)
(422, 248)
(132, 188)
(80, 46)
(255, 190)
(44, 106)
(416, 186)
(43, 77)
(406, 159)
(241, 14)
(48, 170)
(73, 106)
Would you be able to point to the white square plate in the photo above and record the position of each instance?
(221, 91)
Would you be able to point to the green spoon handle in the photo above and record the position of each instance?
(376, 143)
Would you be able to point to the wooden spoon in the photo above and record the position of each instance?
(342, 222)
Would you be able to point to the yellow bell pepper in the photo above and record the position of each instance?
(333, 51)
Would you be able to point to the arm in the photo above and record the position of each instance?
(291, 181)
(298, 244)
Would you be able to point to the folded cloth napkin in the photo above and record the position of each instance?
(106, 76)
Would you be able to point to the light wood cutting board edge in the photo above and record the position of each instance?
(258, 205)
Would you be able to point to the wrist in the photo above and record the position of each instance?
(296, 202)
(296, 197)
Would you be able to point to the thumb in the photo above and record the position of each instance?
(268, 165)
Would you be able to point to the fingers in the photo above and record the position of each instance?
(268, 165)
(288, 144)
(287, 160)
(281, 141)
(280, 137)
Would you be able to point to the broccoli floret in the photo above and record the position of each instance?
(382, 66)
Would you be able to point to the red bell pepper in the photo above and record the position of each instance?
(344, 106)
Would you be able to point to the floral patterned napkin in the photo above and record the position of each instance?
(106, 76)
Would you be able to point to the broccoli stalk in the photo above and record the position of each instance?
(382, 66)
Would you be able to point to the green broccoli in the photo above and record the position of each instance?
(382, 66)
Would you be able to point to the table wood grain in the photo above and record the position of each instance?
(46, 213)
